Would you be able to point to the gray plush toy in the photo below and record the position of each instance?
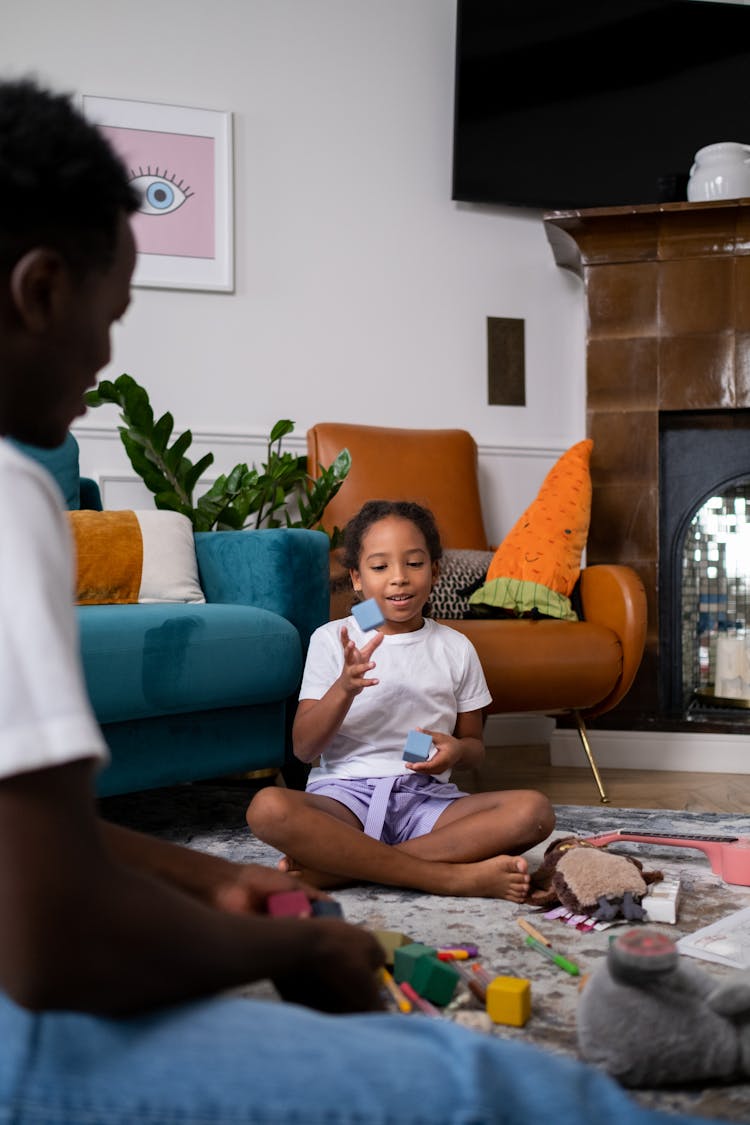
(651, 1018)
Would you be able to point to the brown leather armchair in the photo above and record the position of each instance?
(582, 668)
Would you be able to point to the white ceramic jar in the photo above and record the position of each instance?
(720, 171)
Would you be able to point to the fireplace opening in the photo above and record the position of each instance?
(704, 567)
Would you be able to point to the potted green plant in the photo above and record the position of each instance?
(279, 494)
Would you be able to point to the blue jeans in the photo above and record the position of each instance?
(230, 1060)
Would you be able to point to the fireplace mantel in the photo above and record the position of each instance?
(667, 290)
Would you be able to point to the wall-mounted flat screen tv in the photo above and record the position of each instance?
(594, 103)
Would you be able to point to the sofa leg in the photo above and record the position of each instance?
(587, 751)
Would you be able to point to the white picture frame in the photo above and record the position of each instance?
(181, 163)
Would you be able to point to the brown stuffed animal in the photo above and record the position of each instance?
(589, 880)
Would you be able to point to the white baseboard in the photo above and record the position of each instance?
(655, 750)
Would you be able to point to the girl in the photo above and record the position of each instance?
(366, 814)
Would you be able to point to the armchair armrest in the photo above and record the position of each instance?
(614, 596)
(284, 570)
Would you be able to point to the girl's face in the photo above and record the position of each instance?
(395, 569)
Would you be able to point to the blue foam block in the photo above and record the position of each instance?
(417, 747)
(368, 614)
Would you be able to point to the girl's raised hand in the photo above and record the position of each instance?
(357, 662)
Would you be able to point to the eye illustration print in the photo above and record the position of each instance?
(179, 162)
(160, 193)
(173, 176)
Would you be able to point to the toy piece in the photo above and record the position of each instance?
(509, 1000)
(433, 979)
(651, 1018)
(326, 907)
(662, 900)
(729, 856)
(391, 940)
(368, 614)
(405, 959)
(291, 904)
(588, 880)
(417, 747)
(506, 1000)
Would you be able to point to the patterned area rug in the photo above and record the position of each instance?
(210, 817)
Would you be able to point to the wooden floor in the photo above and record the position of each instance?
(528, 767)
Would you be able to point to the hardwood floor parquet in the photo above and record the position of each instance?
(516, 767)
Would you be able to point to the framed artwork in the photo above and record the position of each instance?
(180, 163)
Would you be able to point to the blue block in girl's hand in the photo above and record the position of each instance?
(417, 747)
(368, 614)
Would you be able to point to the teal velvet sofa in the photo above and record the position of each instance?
(190, 691)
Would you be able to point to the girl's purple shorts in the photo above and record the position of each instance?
(391, 809)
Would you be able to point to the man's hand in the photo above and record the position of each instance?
(340, 971)
(245, 889)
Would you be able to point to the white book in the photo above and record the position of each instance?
(727, 941)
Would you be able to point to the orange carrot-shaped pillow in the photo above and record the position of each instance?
(546, 543)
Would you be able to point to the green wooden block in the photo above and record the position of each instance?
(406, 957)
(434, 980)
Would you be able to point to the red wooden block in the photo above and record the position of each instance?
(293, 904)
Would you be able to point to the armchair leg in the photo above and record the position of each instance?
(587, 751)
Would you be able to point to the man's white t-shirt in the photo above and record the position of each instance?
(426, 678)
(45, 714)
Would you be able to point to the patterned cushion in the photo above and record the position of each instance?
(461, 573)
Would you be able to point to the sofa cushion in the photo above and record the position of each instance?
(461, 573)
(147, 660)
(128, 556)
(62, 463)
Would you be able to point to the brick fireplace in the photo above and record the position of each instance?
(667, 289)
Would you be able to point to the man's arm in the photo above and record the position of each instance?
(239, 887)
(83, 930)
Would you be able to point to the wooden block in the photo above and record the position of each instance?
(293, 904)
(406, 957)
(391, 940)
(434, 980)
(509, 1000)
(368, 614)
(417, 747)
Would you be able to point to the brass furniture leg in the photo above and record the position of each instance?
(587, 750)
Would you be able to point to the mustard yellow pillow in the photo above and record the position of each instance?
(535, 568)
(127, 557)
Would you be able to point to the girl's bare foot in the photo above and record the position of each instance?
(503, 876)
(323, 880)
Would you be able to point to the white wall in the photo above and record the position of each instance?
(362, 291)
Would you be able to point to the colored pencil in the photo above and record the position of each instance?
(418, 1001)
(533, 931)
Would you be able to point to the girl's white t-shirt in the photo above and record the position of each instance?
(426, 678)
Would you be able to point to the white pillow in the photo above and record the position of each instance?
(126, 557)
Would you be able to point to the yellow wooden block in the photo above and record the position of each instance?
(509, 1000)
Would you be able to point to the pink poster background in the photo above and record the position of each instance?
(187, 162)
